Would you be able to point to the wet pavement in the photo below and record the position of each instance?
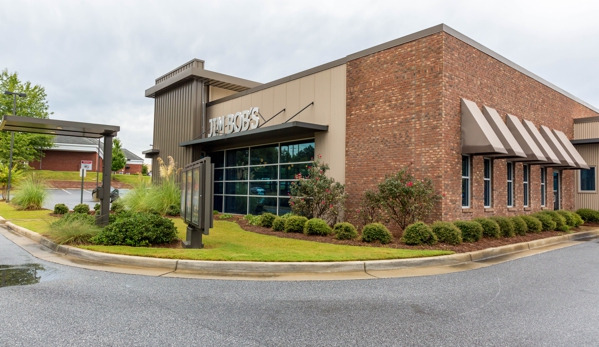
(72, 197)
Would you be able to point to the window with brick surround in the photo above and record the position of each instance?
(543, 191)
(525, 185)
(510, 184)
(466, 181)
(488, 184)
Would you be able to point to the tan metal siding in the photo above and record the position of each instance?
(218, 93)
(327, 89)
(590, 153)
(586, 130)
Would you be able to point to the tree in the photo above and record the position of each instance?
(118, 156)
(144, 169)
(27, 147)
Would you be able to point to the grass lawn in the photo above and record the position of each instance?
(227, 241)
(90, 177)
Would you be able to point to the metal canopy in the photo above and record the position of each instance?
(563, 140)
(478, 136)
(550, 157)
(557, 148)
(77, 129)
(504, 134)
(533, 153)
(291, 130)
(57, 127)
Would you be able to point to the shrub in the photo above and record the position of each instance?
(225, 216)
(267, 219)
(471, 231)
(369, 210)
(568, 216)
(97, 207)
(278, 224)
(577, 219)
(546, 220)
(490, 227)
(534, 225)
(588, 215)
(117, 207)
(406, 199)
(137, 229)
(31, 195)
(520, 226)
(316, 195)
(215, 212)
(447, 233)
(376, 231)
(81, 208)
(61, 209)
(505, 225)
(560, 221)
(73, 228)
(419, 233)
(345, 231)
(173, 210)
(317, 226)
(295, 224)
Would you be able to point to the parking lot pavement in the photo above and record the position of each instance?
(72, 197)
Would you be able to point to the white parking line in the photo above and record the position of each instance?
(66, 191)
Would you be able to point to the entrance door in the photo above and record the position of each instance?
(556, 190)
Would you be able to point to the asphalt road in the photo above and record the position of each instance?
(550, 299)
(72, 197)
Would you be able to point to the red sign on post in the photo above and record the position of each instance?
(87, 165)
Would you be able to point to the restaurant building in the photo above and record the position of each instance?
(493, 137)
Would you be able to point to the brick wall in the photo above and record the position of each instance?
(65, 161)
(403, 109)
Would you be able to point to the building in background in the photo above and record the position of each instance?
(68, 153)
(492, 136)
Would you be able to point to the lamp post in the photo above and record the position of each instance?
(12, 139)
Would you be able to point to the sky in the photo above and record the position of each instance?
(96, 58)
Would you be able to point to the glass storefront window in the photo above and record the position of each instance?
(236, 204)
(297, 152)
(268, 172)
(237, 157)
(237, 188)
(260, 205)
(263, 188)
(264, 155)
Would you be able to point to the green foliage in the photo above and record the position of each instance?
(369, 210)
(31, 195)
(278, 224)
(577, 219)
(253, 220)
(560, 221)
(588, 215)
(295, 224)
(447, 233)
(81, 208)
(505, 225)
(97, 208)
(317, 195)
(490, 227)
(61, 209)
(376, 232)
(317, 226)
(225, 216)
(173, 210)
(419, 233)
(406, 199)
(117, 206)
(119, 160)
(546, 221)
(27, 146)
(568, 216)
(17, 175)
(144, 169)
(345, 231)
(137, 229)
(471, 231)
(534, 225)
(73, 228)
(267, 219)
(520, 226)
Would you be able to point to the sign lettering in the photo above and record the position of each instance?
(234, 123)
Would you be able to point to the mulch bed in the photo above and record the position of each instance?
(463, 248)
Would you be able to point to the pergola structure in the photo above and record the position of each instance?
(77, 129)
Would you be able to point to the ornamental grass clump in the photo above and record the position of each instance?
(61, 209)
(376, 232)
(447, 233)
(418, 234)
(406, 199)
(74, 229)
(471, 231)
(31, 195)
(534, 225)
(505, 225)
(490, 227)
(345, 231)
(295, 224)
(315, 195)
(546, 221)
(588, 215)
(520, 226)
(317, 226)
(267, 219)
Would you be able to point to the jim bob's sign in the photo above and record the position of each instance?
(234, 123)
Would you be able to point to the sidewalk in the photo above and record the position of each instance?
(45, 249)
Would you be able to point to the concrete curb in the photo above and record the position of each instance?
(202, 267)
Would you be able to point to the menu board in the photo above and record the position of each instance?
(195, 202)
(183, 191)
(188, 186)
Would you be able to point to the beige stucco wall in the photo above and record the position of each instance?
(590, 153)
(327, 89)
(215, 93)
